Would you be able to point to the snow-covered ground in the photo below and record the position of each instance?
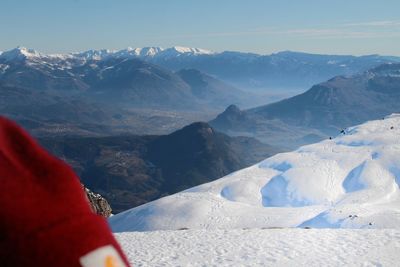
(257, 216)
(263, 247)
(351, 181)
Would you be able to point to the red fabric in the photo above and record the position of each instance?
(45, 219)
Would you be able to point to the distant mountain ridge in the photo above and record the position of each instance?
(93, 54)
(280, 70)
(109, 87)
(125, 81)
(321, 111)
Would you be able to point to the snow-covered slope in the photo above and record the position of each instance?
(351, 181)
(261, 247)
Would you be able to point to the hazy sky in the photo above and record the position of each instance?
(316, 26)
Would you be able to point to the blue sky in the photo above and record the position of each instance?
(262, 26)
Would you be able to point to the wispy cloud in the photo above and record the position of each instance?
(379, 23)
(360, 30)
(340, 33)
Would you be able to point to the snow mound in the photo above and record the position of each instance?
(351, 181)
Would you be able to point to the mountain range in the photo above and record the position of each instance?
(103, 92)
(81, 95)
(250, 71)
(118, 80)
(246, 71)
(322, 111)
(277, 72)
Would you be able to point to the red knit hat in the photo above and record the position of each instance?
(45, 219)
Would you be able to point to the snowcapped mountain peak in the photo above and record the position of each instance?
(182, 49)
(93, 54)
(189, 50)
(155, 51)
(138, 52)
(19, 53)
(148, 51)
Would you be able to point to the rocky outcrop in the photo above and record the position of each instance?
(98, 203)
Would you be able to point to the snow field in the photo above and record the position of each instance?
(263, 247)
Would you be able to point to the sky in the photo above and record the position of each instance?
(357, 27)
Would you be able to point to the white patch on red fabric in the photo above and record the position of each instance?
(106, 256)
